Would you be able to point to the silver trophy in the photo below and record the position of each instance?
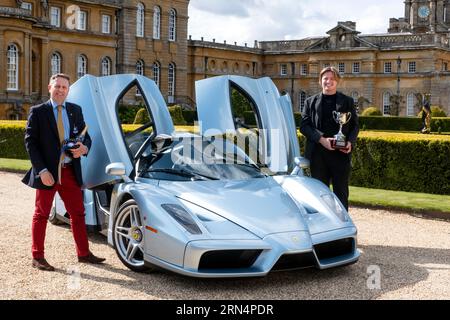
(341, 118)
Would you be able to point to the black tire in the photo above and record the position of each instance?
(131, 235)
(53, 218)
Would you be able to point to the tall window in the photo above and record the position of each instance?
(56, 63)
(411, 67)
(140, 15)
(304, 69)
(302, 99)
(55, 16)
(341, 67)
(106, 66)
(356, 67)
(156, 72)
(283, 69)
(82, 20)
(81, 65)
(171, 78)
(140, 71)
(156, 22)
(410, 101)
(140, 67)
(12, 68)
(172, 25)
(355, 96)
(386, 103)
(388, 67)
(106, 23)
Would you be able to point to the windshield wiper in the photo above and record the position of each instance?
(183, 173)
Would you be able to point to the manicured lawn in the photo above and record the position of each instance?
(14, 165)
(417, 202)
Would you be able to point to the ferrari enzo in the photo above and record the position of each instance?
(204, 205)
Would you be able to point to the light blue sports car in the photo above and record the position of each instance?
(225, 202)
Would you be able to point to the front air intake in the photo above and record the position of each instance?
(333, 249)
(295, 261)
(228, 259)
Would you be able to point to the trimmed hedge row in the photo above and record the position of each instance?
(406, 162)
(401, 164)
(380, 123)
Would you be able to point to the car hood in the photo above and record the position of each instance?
(258, 205)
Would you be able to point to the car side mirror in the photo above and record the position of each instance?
(117, 169)
(301, 164)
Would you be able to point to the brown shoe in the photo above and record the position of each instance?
(42, 264)
(91, 259)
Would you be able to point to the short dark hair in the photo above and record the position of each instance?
(59, 75)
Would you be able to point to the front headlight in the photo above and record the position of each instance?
(182, 217)
(335, 205)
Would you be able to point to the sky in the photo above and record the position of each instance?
(244, 21)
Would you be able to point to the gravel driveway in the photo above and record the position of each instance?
(403, 257)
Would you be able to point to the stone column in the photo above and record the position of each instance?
(432, 16)
(2, 62)
(44, 68)
(407, 10)
(26, 71)
(413, 20)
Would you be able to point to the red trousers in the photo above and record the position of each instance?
(72, 196)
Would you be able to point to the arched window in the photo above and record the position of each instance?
(12, 67)
(386, 104)
(156, 22)
(410, 103)
(56, 63)
(172, 25)
(140, 67)
(171, 78)
(81, 65)
(156, 72)
(301, 100)
(106, 66)
(140, 16)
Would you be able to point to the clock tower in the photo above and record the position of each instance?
(427, 16)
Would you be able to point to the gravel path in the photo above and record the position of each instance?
(411, 255)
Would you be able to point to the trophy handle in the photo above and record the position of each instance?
(349, 116)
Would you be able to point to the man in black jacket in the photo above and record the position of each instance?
(328, 164)
(49, 124)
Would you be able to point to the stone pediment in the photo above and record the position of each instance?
(340, 41)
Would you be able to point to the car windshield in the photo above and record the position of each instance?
(194, 158)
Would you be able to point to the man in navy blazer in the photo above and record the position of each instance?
(328, 164)
(48, 125)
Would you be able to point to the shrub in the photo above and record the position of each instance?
(371, 111)
(12, 144)
(141, 116)
(190, 116)
(177, 115)
(437, 112)
(127, 113)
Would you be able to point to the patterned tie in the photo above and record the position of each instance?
(61, 139)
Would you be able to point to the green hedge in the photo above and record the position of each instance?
(402, 123)
(415, 163)
(380, 123)
(12, 144)
(406, 165)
